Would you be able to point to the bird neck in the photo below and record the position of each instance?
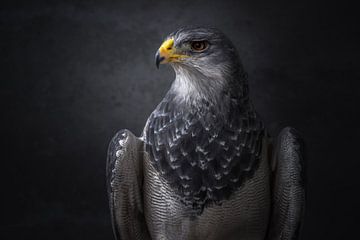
(193, 87)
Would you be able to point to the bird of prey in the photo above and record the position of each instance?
(205, 166)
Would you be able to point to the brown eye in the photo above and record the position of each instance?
(199, 46)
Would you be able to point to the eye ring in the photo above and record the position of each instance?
(199, 46)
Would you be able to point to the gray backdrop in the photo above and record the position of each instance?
(73, 73)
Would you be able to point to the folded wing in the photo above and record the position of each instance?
(288, 187)
(124, 184)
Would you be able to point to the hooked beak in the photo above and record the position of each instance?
(167, 53)
(158, 59)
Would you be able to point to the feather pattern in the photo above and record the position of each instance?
(204, 155)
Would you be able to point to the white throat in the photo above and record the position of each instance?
(192, 85)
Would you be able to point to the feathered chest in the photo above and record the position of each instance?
(203, 155)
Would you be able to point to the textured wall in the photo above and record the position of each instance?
(72, 73)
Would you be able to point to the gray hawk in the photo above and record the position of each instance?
(205, 167)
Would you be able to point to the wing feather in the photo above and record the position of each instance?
(288, 195)
(124, 184)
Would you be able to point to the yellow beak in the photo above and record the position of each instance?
(167, 53)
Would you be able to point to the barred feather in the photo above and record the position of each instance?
(204, 155)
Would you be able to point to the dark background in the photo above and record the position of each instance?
(73, 73)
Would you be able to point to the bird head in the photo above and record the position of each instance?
(204, 59)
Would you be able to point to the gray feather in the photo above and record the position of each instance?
(288, 187)
(124, 181)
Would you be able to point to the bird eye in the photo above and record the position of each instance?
(199, 46)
